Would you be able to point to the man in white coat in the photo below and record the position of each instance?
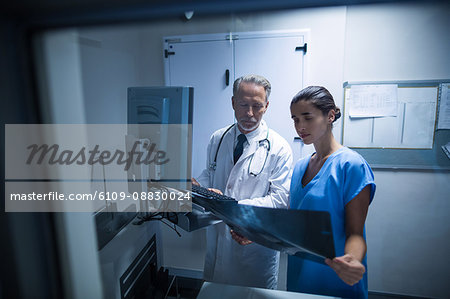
(251, 163)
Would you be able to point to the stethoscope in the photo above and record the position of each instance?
(265, 142)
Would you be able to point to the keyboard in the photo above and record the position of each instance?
(204, 192)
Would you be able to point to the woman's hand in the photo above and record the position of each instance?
(239, 238)
(348, 268)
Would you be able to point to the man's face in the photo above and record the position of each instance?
(249, 105)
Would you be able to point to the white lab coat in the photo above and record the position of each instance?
(227, 261)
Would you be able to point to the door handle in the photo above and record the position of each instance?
(227, 77)
(303, 48)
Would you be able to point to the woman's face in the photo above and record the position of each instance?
(309, 122)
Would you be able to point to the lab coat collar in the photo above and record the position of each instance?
(258, 134)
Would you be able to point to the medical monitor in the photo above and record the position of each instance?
(160, 105)
(170, 110)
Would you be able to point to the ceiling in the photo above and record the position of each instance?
(58, 13)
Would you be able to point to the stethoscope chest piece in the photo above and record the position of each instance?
(259, 158)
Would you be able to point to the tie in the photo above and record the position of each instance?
(239, 147)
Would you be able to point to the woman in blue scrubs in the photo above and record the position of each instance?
(333, 179)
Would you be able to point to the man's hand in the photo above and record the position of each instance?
(240, 239)
(194, 182)
(348, 268)
(215, 190)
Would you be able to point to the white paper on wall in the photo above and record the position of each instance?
(444, 108)
(412, 127)
(373, 100)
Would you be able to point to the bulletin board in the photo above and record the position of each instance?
(398, 124)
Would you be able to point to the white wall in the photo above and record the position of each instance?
(397, 42)
(408, 234)
(408, 228)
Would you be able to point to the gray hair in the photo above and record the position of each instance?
(256, 79)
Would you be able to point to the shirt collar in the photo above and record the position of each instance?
(253, 134)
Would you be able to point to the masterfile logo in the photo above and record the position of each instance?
(53, 155)
(74, 167)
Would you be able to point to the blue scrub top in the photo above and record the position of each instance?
(343, 175)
